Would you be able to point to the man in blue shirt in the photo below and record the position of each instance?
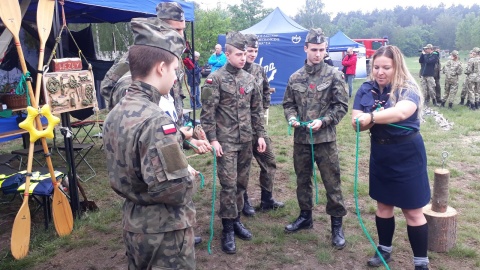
(218, 59)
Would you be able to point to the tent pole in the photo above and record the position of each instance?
(194, 91)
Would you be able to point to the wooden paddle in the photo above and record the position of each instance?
(61, 210)
(6, 36)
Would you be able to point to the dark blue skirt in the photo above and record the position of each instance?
(398, 173)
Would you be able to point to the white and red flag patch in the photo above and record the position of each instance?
(169, 129)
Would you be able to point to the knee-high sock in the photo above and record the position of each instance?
(385, 230)
(418, 237)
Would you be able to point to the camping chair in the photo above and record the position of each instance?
(38, 149)
(85, 127)
(7, 159)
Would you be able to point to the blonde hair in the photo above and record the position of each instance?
(402, 80)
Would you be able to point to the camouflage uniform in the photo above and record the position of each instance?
(313, 92)
(436, 77)
(232, 115)
(452, 69)
(473, 73)
(428, 62)
(147, 167)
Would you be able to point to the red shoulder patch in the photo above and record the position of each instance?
(209, 81)
(169, 129)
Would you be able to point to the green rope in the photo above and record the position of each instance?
(355, 192)
(22, 87)
(305, 124)
(393, 125)
(202, 180)
(214, 176)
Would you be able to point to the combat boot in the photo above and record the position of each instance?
(462, 100)
(434, 102)
(477, 105)
(247, 207)
(240, 230)
(468, 103)
(443, 104)
(472, 107)
(450, 105)
(268, 203)
(228, 236)
(304, 221)
(338, 238)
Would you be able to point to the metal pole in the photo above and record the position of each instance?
(194, 90)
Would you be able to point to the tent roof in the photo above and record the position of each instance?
(340, 42)
(112, 11)
(275, 22)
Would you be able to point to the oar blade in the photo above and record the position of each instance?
(20, 241)
(44, 19)
(62, 213)
(11, 15)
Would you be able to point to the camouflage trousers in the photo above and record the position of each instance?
(267, 163)
(233, 172)
(438, 89)
(450, 91)
(428, 87)
(168, 250)
(473, 92)
(464, 88)
(326, 158)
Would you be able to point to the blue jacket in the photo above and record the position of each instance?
(190, 72)
(428, 62)
(217, 61)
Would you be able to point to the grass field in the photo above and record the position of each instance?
(96, 242)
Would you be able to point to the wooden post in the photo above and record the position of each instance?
(441, 219)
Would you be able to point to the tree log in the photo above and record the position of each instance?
(440, 190)
(442, 229)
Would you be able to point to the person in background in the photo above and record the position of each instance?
(316, 94)
(217, 59)
(232, 116)
(328, 60)
(452, 69)
(473, 72)
(145, 162)
(194, 85)
(428, 60)
(466, 82)
(438, 71)
(266, 160)
(398, 175)
(349, 64)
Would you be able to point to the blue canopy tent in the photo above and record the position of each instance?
(338, 45)
(281, 51)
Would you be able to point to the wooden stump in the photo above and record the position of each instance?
(442, 228)
(440, 190)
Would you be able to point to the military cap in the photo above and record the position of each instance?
(428, 46)
(476, 49)
(147, 32)
(252, 40)
(170, 11)
(315, 36)
(237, 40)
(454, 52)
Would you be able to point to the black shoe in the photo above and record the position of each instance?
(268, 203)
(338, 238)
(461, 101)
(421, 267)
(198, 240)
(450, 105)
(240, 230)
(443, 104)
(247, 207)
(375, 261)
(304, 221)
(228, 236)
(472, 107)
(468, 103)
(434, 103)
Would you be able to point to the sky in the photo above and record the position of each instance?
(291, 8)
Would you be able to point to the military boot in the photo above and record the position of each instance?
(240, 230)
(462, 100)
(472, 107)
(450, 105)
(268, 203)
(434, 102)
(304, 221)
(228, 236)
(477, 105)
(443, 104)
(247, 207)
(468, 103)
(338, 239)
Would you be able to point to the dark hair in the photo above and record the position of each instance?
(142, 58)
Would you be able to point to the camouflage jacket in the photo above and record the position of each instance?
(118, 69)
(473, 69)
(452, 69)
(146, 165)
(261, 79)
(231, 106)
(314, 92)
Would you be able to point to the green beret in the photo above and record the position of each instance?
(252, 40)
(170, 11)
(237, 40)
(315, 36)
(149, 33)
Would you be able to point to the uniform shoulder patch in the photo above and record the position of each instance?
(169, 129)
(209, 81)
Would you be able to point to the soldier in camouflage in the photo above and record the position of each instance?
(231, 116)
(316, 94)
(118, 78)
(452, 69)
(428, 60)
(265, 160)
(473, 73)
(145, 163)
(465, 86)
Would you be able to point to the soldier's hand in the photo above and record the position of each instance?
(203, 146)
(187, 132)
(293, 122)
(262, 146)
(218, 148)
(315, 124)
(193, 171)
